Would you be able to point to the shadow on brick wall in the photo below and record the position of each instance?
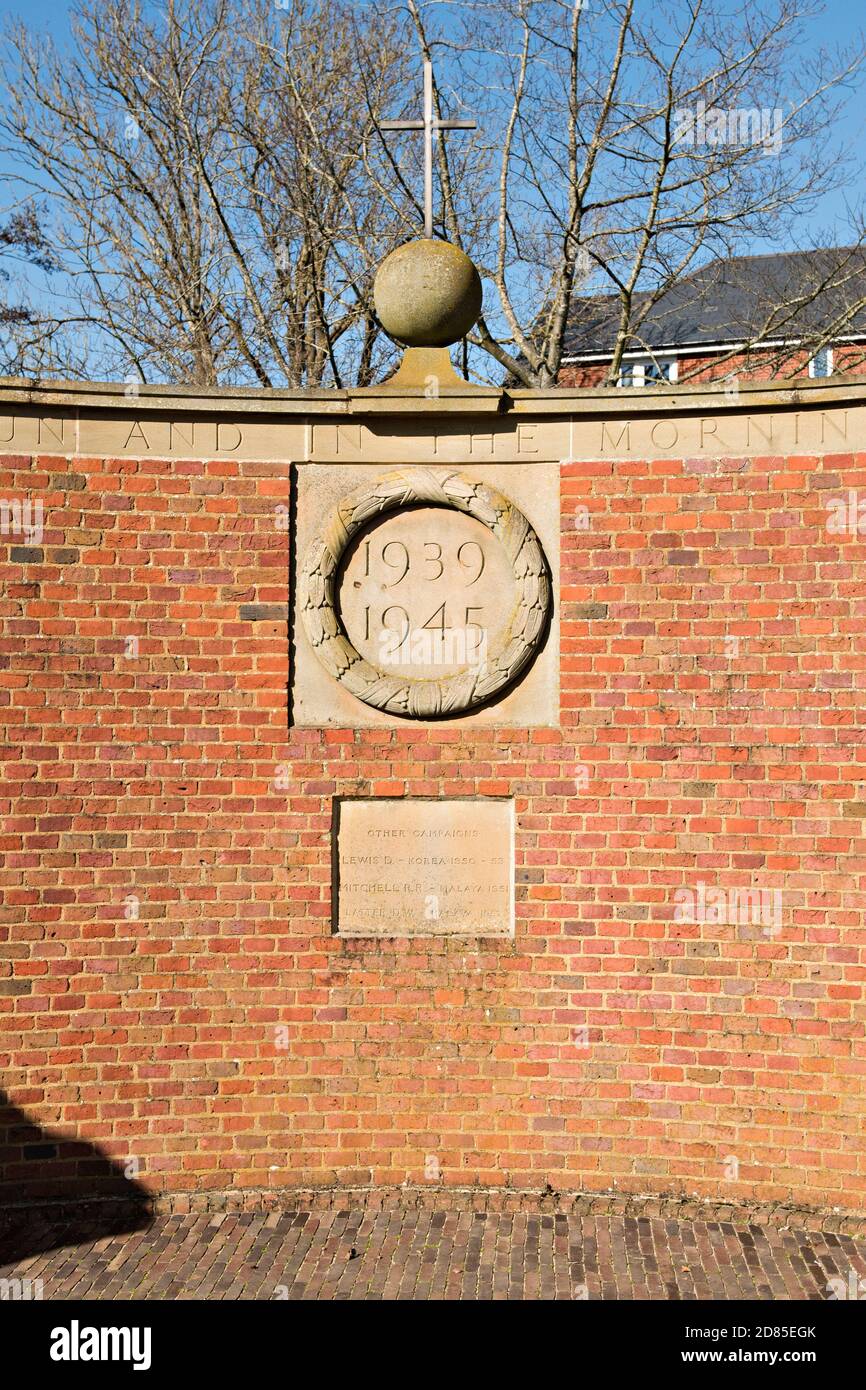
(56, 1190)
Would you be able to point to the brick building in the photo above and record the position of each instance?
(751, 317)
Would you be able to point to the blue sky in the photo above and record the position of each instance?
(839, 25)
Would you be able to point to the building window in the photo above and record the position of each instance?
(647, 371)
(822, 363)
(659, 371)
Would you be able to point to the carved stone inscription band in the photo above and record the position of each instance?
(399, 694)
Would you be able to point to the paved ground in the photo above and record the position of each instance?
(418, 1254)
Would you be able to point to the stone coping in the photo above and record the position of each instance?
(470, 398)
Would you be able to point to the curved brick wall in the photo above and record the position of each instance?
(174, 1005)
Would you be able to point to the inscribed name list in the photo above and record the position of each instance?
(416, 867)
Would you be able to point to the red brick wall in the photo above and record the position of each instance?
(683, 757)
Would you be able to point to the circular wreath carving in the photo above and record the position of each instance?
(417, 698)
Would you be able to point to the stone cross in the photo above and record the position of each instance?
(428, 125)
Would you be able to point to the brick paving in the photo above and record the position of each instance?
(422, 1254)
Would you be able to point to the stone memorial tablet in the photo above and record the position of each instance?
(471, 647)
(413, 867)
(426, 593)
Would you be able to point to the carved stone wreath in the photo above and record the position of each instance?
(411, 697)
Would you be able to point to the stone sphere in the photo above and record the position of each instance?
(427, 294)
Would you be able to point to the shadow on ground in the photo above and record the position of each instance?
(56, 1190)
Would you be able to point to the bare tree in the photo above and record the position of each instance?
(635, 143)
(222, 193)
(206, 166)
(22, 242)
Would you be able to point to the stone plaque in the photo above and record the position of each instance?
(413, 867)
(426, 594)
(481, 668)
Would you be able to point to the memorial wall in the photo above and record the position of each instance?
(444, 788)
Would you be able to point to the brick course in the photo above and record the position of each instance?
(171, 994)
